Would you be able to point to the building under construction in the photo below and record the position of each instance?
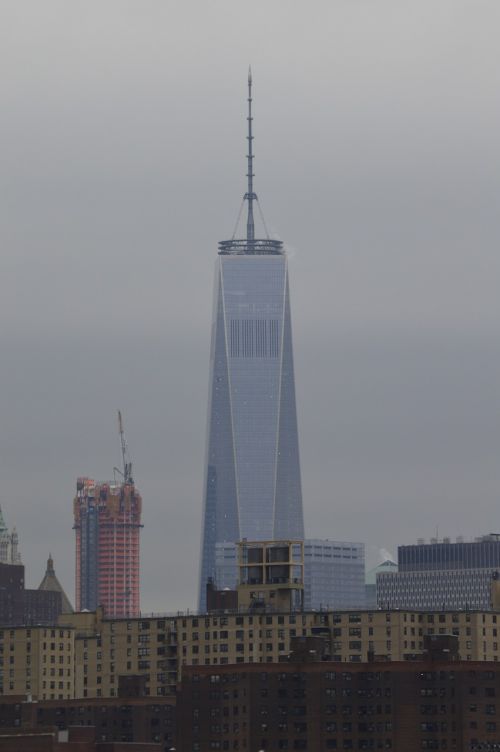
(107, 523)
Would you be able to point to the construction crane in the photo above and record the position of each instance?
(127, 463)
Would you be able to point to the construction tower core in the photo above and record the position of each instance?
(107, 523)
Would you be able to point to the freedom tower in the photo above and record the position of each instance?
(252, 478)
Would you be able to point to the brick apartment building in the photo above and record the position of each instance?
(305, 704)
(118, 720)
(85, 654)
(76, 739)
(330, 706)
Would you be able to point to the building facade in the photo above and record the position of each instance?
(252, 474)
(271, 576)
(107, 523)
(435, 703)
(438, 588)
(371, 581)
(226, 565)
(21, 606)
(11, 594)
(482, 553)
(77, 738)
(334, 575)
(128, 720)
(38, 661)
(85, 655)
(442, 574)
(430, 705)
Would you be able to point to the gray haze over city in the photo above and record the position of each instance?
(122, 142)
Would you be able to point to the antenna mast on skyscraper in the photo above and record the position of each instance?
(250, 196)
(250, 245)
(127, 463)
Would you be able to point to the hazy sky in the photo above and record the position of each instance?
(121, 166)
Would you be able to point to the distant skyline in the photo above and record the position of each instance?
(378, 165)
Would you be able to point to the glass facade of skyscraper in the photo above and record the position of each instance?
(252, 482)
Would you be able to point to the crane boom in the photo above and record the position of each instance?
(127, 463)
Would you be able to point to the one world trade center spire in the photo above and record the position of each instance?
(252, 484)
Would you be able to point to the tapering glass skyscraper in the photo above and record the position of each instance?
(252, 478)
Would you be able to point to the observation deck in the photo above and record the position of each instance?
(244, 247)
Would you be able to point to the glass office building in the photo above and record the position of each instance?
(252, 482)
(442, 574)
(252, 477)
(482, 553)
(436, 589)
(334, 575)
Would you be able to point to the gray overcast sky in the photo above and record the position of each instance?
(121, 166)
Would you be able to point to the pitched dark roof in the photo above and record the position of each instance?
(50, 582)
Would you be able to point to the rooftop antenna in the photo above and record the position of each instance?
(250, 196)
(250, 245)
(127, 463)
